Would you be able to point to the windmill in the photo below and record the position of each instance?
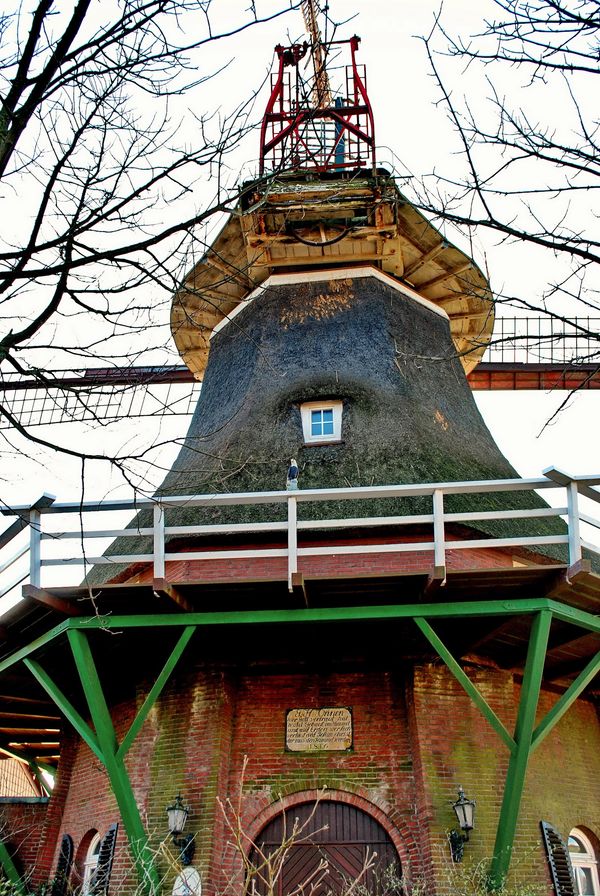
(375, 630)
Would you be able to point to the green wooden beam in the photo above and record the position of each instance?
(156, 690)
(517, 764)
(564, 613)
(466, 683)
(567, 699)
(462, 609)
(65, 706)
(9, 868)
(44, 766)
(452, 610)
(117, 773)
(30, 648)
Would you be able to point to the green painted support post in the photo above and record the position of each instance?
(117, 773)
(517, 765)
(10, 870)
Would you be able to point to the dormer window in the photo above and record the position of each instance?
(321, 422)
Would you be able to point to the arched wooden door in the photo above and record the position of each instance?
(330, 852)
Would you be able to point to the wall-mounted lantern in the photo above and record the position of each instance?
(465, 815)
(177, 815)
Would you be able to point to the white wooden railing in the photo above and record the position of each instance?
(37, 520)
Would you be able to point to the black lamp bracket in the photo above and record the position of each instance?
(187, 847)
(457, 841)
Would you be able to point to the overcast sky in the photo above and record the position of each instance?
(413, 134)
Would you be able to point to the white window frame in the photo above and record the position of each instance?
(584, 860)
(306, 409)
(90, 863)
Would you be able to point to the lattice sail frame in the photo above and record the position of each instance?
(297, 134)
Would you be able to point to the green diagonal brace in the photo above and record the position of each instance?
(465, 682)
(574, 616)
(156, 690)
(9, 868)
(517, 764)
(36, 771)
(117, 773)
(563, 704)
(65, 706)
(34, 645)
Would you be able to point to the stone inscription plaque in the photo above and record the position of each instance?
(311, 730)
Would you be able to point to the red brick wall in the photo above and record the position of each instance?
(21, 819)
(415, 739)
(457, 746)
(81, 805)
(378, 772)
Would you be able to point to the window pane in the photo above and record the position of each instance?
(316, 423)
(585, 884)
(576, 845)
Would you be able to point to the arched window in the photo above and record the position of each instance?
(90, 864)
(585, 864)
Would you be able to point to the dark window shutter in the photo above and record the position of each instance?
(559, 861)
(106, 854)
(60, 884)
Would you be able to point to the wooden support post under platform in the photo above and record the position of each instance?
(519, 758)
(299, 586)
(103, 741)
(113, 762)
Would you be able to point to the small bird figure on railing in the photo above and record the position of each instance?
(292, 474)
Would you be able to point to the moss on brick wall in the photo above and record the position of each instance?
(459, 747)
(416, 737)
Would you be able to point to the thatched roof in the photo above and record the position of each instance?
(409, 415)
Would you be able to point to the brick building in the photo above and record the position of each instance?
(347, 649)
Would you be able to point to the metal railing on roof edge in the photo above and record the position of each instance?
(31, 517)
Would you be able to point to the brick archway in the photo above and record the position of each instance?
(335, 842)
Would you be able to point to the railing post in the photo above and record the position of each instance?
(573, 522)
(159, 541)
(292, 540)
(439, 536)
(35, 548)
